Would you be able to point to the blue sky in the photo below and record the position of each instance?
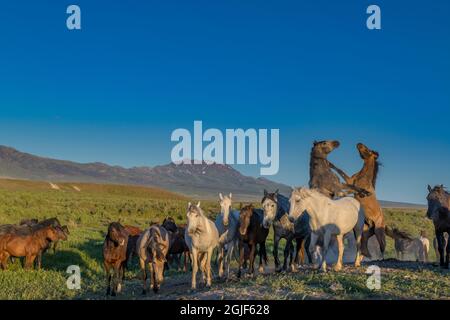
(114, 91)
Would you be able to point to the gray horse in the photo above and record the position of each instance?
(438, 211)
(152, 247)
(227, 223)
(405, 244)
(202, 238)
(276, 210)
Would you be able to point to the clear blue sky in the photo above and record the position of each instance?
(114, 91)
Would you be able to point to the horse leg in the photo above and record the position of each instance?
(228, 258)
(241, 257)
(313, 243)
(441, 242)
(287, 251)
(29, 260)
(4, 260)
(340, 242)
(276, 240)
(121, 276)
(367, 232)
(194, 258)
(381, 238)
(252, 258)
(447, 257)
(54, 246)
(358, 233)
(261, 253)
(326, 243)
(108, 277)
(208, 267)
(306, 247)
(143, 266)
(220, 255)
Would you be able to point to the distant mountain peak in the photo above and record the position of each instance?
(203, 180)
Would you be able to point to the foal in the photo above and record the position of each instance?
(253, 233)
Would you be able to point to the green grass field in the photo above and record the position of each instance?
(88, 212)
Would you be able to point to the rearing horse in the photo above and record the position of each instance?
(366, 179)
(322, 178)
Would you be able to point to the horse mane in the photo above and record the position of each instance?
(375, 172)
(154, 241)
(402, 234)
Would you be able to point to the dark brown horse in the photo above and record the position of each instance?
(134, 233)
(178, 247)
(27, 244)
(438, 211)
(115, 256)
(366, 179)
(252, 233)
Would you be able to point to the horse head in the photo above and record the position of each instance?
(225, 207)
(296, 204)
(117, 234)
(270, 207)
(244, 219)
(322, 148)
(194, 218)
(438, 199)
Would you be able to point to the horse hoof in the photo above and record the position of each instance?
(113, 294)
(337, 268)
(144, 292)
(261, 270)
(155, 289)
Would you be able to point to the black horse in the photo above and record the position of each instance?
(438, 211)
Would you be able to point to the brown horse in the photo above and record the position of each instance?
(438, 211)
(252, 233)
(34, 224)
(366, 179)
(178, 247)
(27, 244)
(115, 256)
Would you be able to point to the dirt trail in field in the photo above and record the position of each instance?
(178, 286)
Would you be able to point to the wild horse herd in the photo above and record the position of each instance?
(312, 221)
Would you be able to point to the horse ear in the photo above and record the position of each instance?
(376, 154)
(315, 142)
(189, 205)
(198, 204)
(276, 192)
(230, 195)
(220, 196)
(429, 188)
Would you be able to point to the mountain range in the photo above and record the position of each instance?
(194, 180)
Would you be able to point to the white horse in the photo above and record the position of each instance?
(328, 218)
(201, 237)
(227, 223)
